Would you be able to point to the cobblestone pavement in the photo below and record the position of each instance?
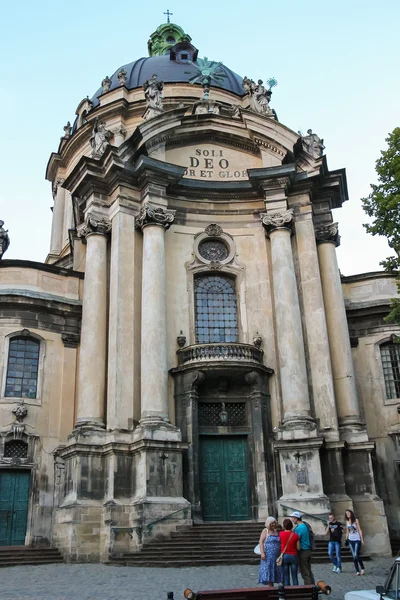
(100, 582)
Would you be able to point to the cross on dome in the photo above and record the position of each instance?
(169, 14)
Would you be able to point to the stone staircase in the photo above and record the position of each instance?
(12, 556)
(211, 544)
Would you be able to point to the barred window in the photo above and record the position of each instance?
(216, 312)
(390, 355)
(15, 449)
(22, 368)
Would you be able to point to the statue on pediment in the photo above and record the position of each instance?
(313, 144)
(4, 239)
(259, 96)
(100, 139)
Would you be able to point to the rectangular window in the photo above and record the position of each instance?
(22, 368)
(216, 312)
(390, 355)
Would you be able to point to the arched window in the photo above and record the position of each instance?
(216, 312)
(22, 367)
(390, 355)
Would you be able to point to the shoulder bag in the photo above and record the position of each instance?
(279, 560)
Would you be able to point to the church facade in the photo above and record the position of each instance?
(189, 351)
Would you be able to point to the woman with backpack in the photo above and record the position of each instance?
(354, 537)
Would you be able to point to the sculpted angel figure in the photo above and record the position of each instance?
(4, 239)
(153, 92)
(100, 138)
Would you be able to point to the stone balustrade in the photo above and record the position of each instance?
(221, 352)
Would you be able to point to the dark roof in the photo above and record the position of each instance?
(168, 71)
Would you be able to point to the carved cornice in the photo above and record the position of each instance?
(277, 220)
(94, 225)
(150, 215)
(328, 233)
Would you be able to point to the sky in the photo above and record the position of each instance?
(336, 62)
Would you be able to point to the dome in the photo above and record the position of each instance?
(171, 55)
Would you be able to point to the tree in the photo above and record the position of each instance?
(383, 205)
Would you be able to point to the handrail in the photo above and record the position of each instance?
(149, 526)
(306, 514)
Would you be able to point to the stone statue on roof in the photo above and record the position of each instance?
(259, 96)
(4, 239)
(313, 144)
(100, 139)
(153, 92)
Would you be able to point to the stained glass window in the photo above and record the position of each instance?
(22, 368)
(390, 355)
(216, 313)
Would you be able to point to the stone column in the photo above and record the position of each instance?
(316, 329)
(58, 217)
(154, 369)
(92, 355)
(123, 330)
(338, 332)
(292, 364)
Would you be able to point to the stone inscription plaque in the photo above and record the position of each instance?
(213, 163)
(302, 477)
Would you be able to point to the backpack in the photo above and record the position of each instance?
(312, 536)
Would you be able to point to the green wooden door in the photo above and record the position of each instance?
(224, 478)
(14, 496)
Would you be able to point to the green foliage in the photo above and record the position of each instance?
(383, 206)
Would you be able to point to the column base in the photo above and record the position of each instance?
(96, 424)
(370, 511)
(297, 428)
(154, 429)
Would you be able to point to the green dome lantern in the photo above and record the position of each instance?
(165, 37)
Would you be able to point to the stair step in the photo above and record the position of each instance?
(11, 556)
(212, 544)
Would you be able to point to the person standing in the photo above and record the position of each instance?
(270, 546)
(335, 530)
(354, 535)
(305, 554)
(290, 546)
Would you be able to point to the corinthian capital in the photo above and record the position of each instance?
(277, 220)
(94, 224)
(150, 215)
(328, 233)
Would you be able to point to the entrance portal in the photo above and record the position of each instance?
(224, 478)
(14, 495)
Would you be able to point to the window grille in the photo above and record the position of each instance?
(390, 355)
(22, 368)
(213, 250)
(15, 449)
(209, 414)
(216, 313)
